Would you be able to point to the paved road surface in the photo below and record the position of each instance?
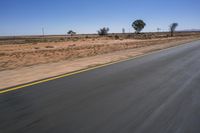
(158, 93)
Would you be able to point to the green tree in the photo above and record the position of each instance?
(104, 31)
(71, 32)
(172, 28)
(138, 25)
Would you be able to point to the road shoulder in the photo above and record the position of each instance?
(24, 75)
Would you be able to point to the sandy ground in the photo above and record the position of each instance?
(112, 51)
(14, 56)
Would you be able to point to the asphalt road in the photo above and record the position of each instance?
(158, 93)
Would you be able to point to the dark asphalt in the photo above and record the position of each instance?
(158, 93)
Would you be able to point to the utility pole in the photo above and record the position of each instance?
(158, 29)
(123, 30)
(43, 32)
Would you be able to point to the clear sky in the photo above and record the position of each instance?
(27, 17)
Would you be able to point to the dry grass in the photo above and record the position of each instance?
(19, 55)
(14, 77)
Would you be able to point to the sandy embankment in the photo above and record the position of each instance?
(26, 63)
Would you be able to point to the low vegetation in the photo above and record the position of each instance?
(104, 31)
(71, 33)
(17, 55)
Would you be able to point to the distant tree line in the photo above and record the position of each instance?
(138, 26)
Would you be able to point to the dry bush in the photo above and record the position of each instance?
(117, 37)
(49, 46)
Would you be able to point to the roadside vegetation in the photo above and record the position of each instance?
(138, 25)
(71, 33)
(103, 31)
(172, 28)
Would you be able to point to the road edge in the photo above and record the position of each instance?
(9, 89)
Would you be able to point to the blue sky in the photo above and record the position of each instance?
(27, 17)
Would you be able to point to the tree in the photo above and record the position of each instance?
(103, 31)
(138, 25)
(71, 32)
(172, 28)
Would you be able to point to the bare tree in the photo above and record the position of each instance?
(172, 28)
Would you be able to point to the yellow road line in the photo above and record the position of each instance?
(80, 71)
(58, 77)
